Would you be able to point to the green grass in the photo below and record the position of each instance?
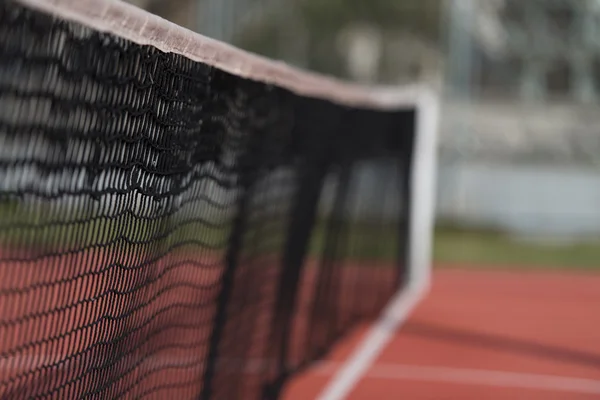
(474, 248)
(494, 249)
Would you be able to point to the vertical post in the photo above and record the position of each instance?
(460, 46)
(422, 189)
(532, 87)
(584, 87)
(460, 49)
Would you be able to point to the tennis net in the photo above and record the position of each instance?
(180, 218)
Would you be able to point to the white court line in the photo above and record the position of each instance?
(467, 376)
(373, 344)
(388, 371)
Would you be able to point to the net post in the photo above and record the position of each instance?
(423, 178)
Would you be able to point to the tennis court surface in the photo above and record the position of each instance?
(479, 335)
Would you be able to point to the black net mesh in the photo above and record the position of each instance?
(169, 229)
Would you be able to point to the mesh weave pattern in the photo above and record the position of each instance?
(168, 229)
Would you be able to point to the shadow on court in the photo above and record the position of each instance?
(500, 343)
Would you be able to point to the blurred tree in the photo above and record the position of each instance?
(181, 12)
(307, 32)
(420, 17)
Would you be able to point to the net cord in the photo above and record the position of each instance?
(137, 25)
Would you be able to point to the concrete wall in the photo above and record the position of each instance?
(531, 169)
(534, 200)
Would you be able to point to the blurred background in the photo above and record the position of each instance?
(519, 178)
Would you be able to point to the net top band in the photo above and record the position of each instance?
(137, 25)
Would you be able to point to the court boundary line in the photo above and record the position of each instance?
(388, 371)
(472, 376)
(378, 337)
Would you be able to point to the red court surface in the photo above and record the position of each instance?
(484, 335)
